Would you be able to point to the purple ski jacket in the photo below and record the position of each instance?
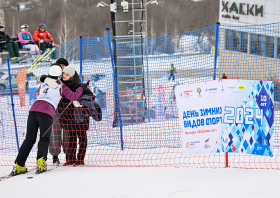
(46, 107)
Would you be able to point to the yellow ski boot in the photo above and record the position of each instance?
(17, 170)
(41, 166)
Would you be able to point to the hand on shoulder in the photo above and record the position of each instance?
(51, 82)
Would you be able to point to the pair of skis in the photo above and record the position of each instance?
(29, 171)
(41, 58)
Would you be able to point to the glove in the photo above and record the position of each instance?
(30, 42)
(51, 82)
(41, 41)
(52, 43)
(43, 77)
(77, 104)
(7, 40)
(14, 39)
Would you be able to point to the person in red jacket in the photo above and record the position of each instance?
(43, 37)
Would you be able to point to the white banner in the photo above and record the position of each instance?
(226, 116)
(200, 115)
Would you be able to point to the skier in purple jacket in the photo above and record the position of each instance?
(41, 116)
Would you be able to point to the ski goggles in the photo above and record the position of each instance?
(2, 29)
(25, 27)
(43, 27)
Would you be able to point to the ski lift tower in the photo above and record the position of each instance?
(129, 22)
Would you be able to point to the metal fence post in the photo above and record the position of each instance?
(215, 71)
(81, 58)
(116, 86)
(216, 49)
(12, 99)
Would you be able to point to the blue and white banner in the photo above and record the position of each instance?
(200, 116)
(226, 116)
(248, 123)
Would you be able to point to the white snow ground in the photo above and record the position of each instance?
(141, 182)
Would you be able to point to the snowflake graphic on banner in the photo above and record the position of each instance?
(254, 138)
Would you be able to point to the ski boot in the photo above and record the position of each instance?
(41, 166)
(56, 161)
(17, 170)
(70, 161)
(14, 59)
(80, 160)
(80, 163)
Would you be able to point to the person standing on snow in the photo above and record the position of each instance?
(26, 39)
(224, 76)
(67, 120)
(5, 44)
(41, 35)
(56, 137)
(172, 71)
(41, 116)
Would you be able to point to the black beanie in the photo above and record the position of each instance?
(62, 61)
(56, 64)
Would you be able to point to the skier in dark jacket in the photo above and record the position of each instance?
(41, 116)
(67, 120)
(224, 76)
(6, 44)
(172, 71)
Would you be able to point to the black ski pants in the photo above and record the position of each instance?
(44, 46)
(82, 136)
(35, 120)
(171, 75)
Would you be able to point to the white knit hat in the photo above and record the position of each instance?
(55, 71)
(70, 70)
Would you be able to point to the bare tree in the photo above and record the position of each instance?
(83, 18)
(67, 29)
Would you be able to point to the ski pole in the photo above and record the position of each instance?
(37, 51)
(57, 118)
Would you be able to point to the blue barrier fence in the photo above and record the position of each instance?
(248, 52)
